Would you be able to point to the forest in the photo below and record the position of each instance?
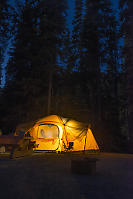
(84, 72)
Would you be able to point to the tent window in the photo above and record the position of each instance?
(48, 131)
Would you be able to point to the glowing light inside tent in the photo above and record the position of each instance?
(64, 120)
(48, 131)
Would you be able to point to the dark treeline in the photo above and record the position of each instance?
(83, 76)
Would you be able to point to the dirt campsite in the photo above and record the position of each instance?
(50, 176)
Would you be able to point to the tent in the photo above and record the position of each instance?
(54, 133)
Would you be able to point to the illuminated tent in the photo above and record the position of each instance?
(54, 133)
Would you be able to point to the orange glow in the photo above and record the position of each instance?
(50, 133)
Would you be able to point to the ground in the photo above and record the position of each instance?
(47, 176)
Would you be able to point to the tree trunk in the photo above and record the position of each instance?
(50, 91)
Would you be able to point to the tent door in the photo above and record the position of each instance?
(48, 137)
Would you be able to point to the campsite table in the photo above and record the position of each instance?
(17, 145)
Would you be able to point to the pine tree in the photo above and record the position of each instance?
(113, 69)
(19, 90)
(90, 66)
(4, 30)
(37, 44)
(127, 32)
(54, 22)
(100, 50)
(104, 21)
(76, 34)
(113, 100)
